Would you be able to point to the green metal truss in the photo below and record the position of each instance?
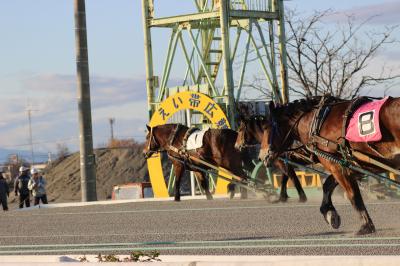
(210, 40)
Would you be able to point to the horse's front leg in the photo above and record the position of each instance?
(283, 196)
(237, 170)
(327, 209)
(292, 174)
(288, 171)
(179, 169)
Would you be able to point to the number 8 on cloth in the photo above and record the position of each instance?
(364, 123)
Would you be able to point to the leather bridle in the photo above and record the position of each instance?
(282, 147)
(242, 139)
(156, 144)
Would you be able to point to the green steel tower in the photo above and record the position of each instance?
(217, 36)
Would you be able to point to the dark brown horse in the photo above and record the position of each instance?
(218, 149)
(293, 122)
(251, 132)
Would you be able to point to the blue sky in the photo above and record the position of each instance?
(37, 66)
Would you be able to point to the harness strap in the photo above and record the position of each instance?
(173, 136)
(318, 120)
(186, 137)
(182, 149)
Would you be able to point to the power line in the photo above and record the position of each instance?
(104, 137)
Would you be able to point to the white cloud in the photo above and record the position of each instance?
(383, 13)
(53, 96)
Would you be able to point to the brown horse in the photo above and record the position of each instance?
(218, 149)
(294, 121)
(251, 132)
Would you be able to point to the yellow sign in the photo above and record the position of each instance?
(181, 101)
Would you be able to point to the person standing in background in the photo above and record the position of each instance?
(21, 187)
(4, 191)
(37, 184)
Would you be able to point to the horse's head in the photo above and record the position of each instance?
(274, 138)
(152, 145)
(250, 131)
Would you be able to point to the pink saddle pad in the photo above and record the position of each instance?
(364, 124)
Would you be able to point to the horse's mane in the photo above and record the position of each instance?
(170, 125)
(301, 106)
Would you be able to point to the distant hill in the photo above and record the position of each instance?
(114, 167)
(22, 154)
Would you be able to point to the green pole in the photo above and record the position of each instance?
(227, 62)
(147, 9)
(283, 52)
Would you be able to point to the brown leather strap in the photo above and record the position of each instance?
(351, 108)
(186, 137)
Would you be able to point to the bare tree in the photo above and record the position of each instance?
(323, 58)
(62, 151)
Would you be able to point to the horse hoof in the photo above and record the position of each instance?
(366, 229)
(283, 199)
(333, 219)
(231, 194)
(209, 197)
(303, 199)
(177, 199)
(243, 196)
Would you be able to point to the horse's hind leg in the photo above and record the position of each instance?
(327, 209)
(368, 226)
(204, 182)
(350, 185)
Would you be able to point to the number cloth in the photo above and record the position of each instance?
(364, 124)
(195, 140)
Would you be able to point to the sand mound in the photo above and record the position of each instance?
(114, 166)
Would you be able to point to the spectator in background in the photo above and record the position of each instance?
(37, 184)
(4, 191)
(21, 187)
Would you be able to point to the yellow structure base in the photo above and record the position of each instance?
(182, 101)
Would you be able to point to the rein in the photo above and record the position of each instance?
(274, 128)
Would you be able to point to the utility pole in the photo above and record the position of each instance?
(30, 136)
(87, 158)
(112, 121)
(49, 155)
(29, 110)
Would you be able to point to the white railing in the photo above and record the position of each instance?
(254, 5)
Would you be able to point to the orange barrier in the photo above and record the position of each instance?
(307, 180)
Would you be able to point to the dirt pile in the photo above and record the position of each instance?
(114, 166)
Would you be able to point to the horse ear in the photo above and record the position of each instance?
(239, 113)
(271, 106)
(148, 127)
(241, 117)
